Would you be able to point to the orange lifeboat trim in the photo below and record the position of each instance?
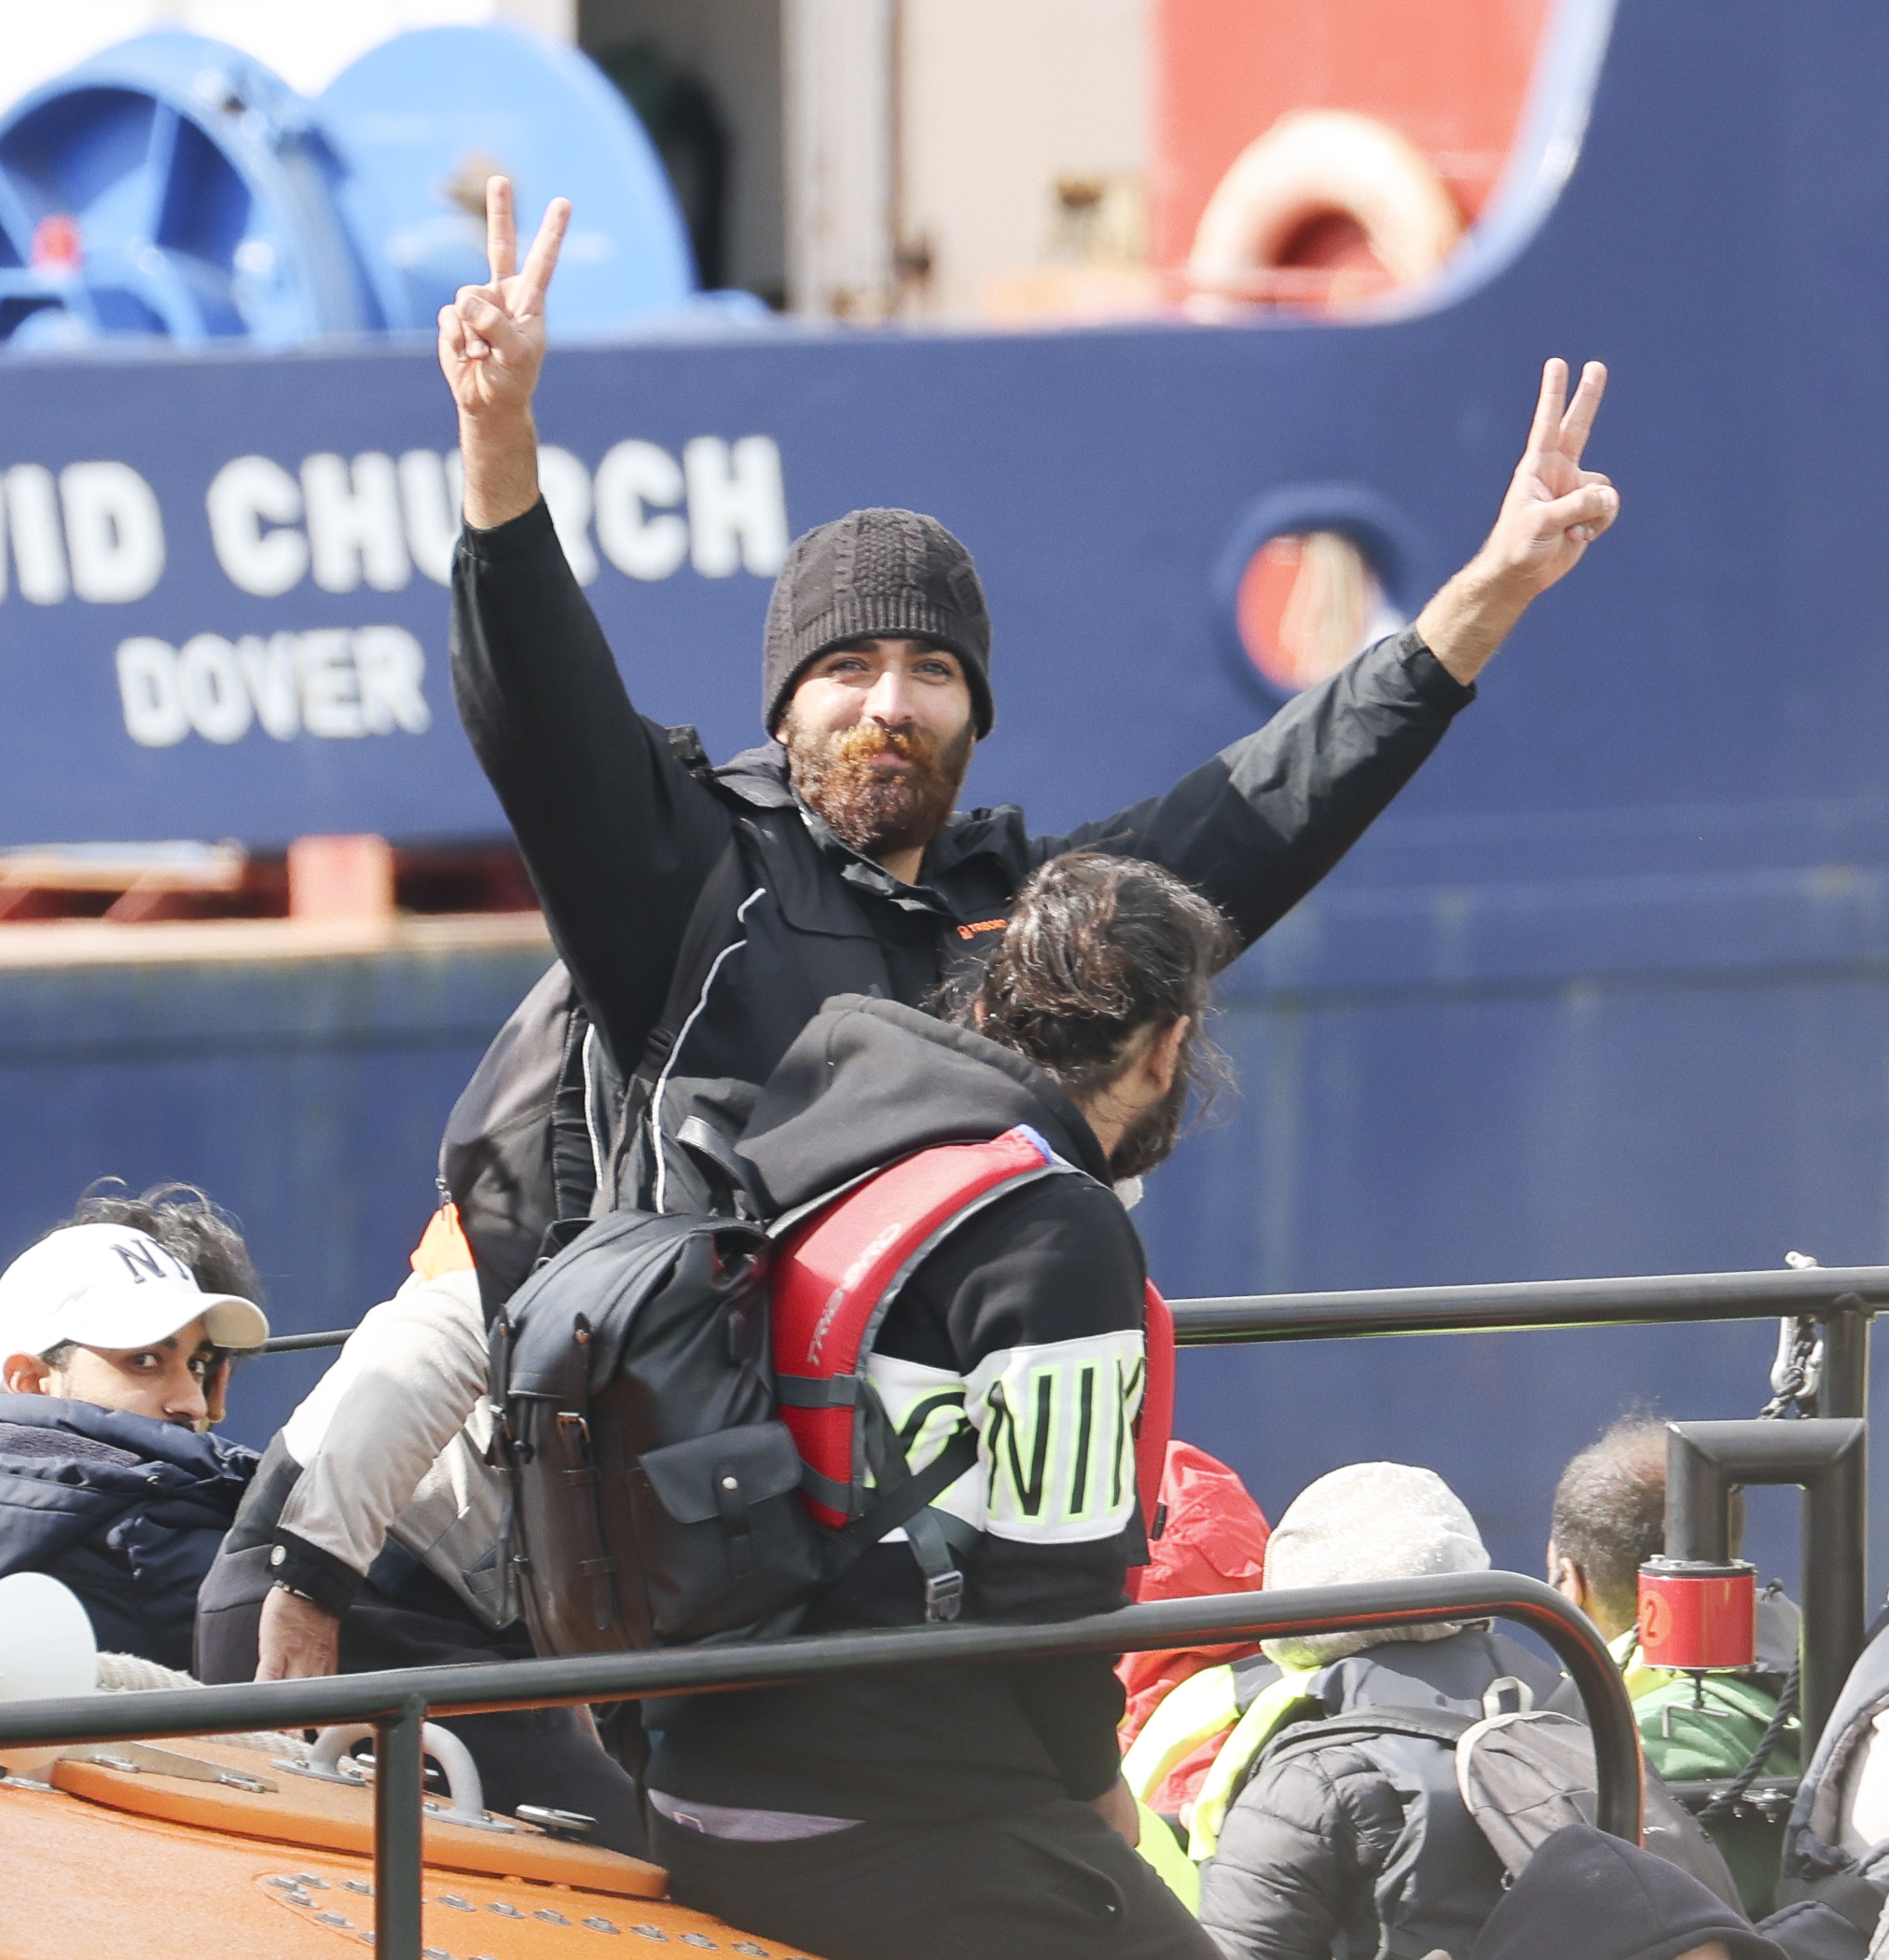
(82, 1881)
(330, 1816)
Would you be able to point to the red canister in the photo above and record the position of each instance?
(1695, 1615)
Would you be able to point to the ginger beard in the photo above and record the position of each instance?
(865, 804)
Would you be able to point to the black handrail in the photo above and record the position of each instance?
(1707, 1461)
(1843, 1298)
(397, 1701)
(1816, 1290)
(294, 1343)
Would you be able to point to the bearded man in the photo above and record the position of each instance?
(705, 913)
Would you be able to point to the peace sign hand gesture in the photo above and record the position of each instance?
(491, 338)
(1554, 509)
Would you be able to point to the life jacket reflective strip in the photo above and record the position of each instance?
(1161, 1849)
(1228, 1775)
(1195, 1710)
(836, 1274)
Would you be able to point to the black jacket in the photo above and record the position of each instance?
(126, 1511)
(1331, 1851)
(622, 838)
(1038, 1287)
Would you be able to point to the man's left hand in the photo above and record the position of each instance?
(1554, 510)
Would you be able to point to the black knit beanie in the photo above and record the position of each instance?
(875, 571)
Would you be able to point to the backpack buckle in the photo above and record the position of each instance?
(943, 1595)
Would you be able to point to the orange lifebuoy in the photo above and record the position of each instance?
(1313, 163)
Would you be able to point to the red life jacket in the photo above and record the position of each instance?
(836, 1277)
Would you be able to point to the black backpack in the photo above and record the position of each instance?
(655, 1497)
(547, 1134)
(657, 1489)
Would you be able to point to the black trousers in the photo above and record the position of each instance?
(1052, 1883)
(542, 1756)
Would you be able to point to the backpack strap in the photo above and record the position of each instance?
(573, 1157)
(835, 1277)
(1444, 1725)
(714, 928)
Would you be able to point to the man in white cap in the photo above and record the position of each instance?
(115, 1334)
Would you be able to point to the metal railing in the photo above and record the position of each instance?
(397, 1703)
(1843, 1298)
(1840, 1298)
(1707, 1461)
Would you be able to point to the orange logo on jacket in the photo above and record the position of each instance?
(982, 925)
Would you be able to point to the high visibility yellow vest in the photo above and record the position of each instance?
(1201, 1707)
(1257, 1727)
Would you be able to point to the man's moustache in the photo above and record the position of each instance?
(866, 740)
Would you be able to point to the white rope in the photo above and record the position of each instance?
(131, 1673)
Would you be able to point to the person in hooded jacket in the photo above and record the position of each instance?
(117, 1331)
(1359, 1844)
(975, 1810)
(1586, 1895)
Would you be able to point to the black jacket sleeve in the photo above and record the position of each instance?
(1298, 1853)
(617, 832)
(1258, 826)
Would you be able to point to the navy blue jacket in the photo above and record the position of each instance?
(125, 1510)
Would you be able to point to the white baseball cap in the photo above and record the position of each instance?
(114, 1287)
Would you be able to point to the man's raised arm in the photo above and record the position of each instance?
(1552, 512)
(492, 347)
(617, 836)
(1260, 823)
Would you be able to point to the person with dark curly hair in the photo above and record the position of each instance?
(118, 1330)
(975, 1810)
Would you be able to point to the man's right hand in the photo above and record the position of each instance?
(492, 347)
(296, 1638)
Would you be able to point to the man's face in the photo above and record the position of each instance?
(168, 1381)
(878, 734)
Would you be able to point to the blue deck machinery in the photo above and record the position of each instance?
(176, 188)
(1607, 991)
